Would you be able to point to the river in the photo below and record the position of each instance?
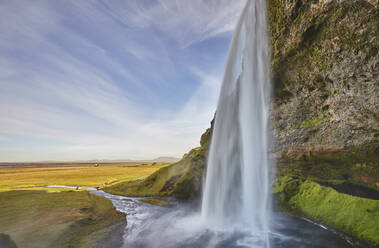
(179, 225)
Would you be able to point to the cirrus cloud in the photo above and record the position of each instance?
(109, 80)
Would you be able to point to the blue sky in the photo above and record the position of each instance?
(117, 79)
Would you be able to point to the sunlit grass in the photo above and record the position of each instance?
(86, 175)
(36, 219)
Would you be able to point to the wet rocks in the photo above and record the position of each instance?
(6, 241)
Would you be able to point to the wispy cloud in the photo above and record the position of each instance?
(186, 22)
(99, 79)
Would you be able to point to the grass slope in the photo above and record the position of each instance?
(181, 179)
(353, 215)
(37, 219)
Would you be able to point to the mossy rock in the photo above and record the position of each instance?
(355, 164)
(324, 68)
(6, 241)
(356, 216)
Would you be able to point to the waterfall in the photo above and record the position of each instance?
(236, 191)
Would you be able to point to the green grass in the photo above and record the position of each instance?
(180, 179)
(37, 219)
(356, 216)
(87, 175)
(153, 185)
(350, 214)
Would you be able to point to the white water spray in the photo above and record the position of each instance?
(236, 191)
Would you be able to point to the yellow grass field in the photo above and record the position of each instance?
(87, 175)
(33, 218)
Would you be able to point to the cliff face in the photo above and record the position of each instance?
(325, 70)
(325, 112)
(325, 75)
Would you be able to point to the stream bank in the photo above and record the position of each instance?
(179, 225)
(38, 219)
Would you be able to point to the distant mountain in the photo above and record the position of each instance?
(156, 160)
(165, 160)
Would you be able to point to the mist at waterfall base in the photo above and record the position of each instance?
(180, 226)
(235, 209)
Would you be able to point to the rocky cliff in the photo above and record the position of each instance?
(325, 75)
(325, 112)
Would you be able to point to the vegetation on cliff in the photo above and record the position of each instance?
(352, 215)
(324, 64)
(324, 110)
(354, 164)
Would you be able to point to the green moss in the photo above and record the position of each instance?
(285, 188)
(356, 216)
(320, 58)
(309, 123)
(355, 164)
(304, 38)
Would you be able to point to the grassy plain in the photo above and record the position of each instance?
(35, 217)
(36, 176)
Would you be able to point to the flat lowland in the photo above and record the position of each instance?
(36, 176)
(33, 216)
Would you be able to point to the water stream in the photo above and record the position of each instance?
(180, 226)
(237, 190)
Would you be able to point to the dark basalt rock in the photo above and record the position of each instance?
(325, 75)
(353, 190)
(6, 241)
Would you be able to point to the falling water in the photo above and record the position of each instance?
(235, 207)
(236, 191)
